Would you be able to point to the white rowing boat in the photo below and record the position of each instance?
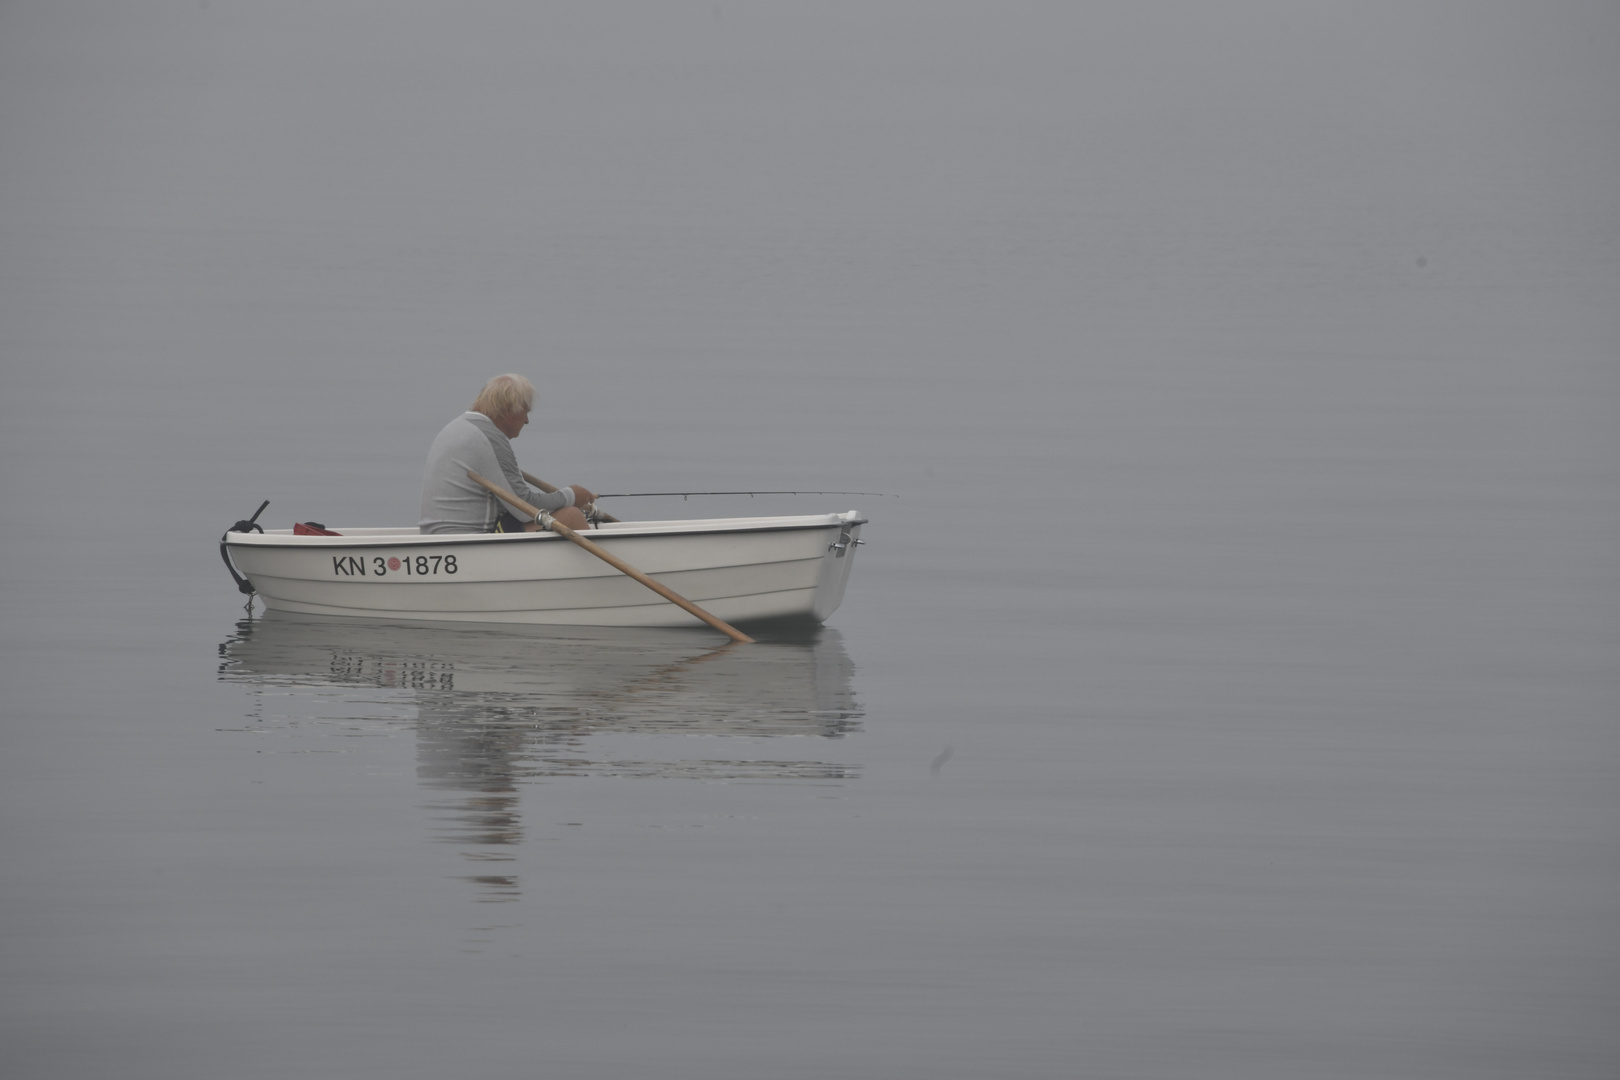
(740, 569)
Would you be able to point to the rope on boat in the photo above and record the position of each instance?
(243, 585)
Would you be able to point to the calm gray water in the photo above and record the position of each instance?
(1231, 692)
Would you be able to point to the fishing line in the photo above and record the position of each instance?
(689, 494)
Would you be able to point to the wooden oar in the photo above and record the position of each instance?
(551, 489)
(613, 560)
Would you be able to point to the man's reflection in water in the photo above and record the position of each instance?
(497, 707)
(476, 759)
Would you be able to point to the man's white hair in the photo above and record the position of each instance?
(504, 395)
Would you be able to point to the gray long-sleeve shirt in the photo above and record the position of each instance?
(451, 503)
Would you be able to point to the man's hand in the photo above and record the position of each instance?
(583, 496)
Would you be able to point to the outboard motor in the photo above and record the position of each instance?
(243, 585)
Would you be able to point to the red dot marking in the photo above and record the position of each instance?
(393, 564)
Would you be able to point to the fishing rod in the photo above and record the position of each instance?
(689, 494)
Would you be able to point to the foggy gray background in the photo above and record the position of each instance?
(1231, 692)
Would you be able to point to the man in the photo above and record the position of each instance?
(480, 440)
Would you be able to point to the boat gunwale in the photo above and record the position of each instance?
(286, 538)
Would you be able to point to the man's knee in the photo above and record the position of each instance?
(571, 517)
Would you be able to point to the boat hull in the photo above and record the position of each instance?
(739, 569)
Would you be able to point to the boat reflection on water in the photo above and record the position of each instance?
(495, 707)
